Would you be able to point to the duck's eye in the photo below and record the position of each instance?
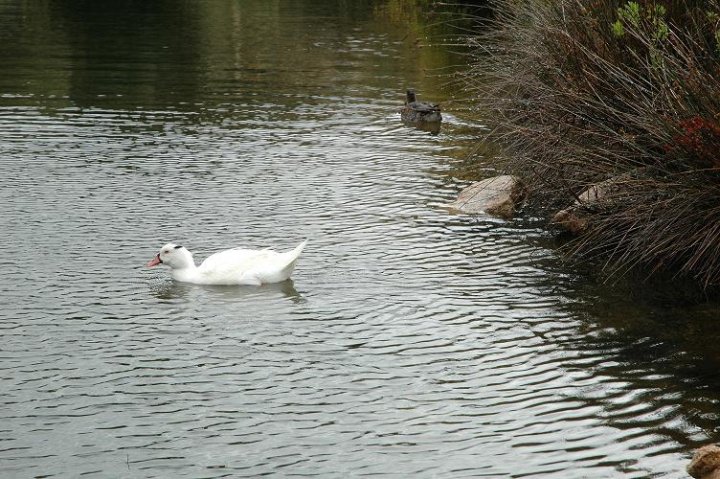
(166, 251)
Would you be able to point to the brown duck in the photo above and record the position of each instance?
(419, 112)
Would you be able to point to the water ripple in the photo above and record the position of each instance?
(412, 343)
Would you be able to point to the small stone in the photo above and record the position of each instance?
(571, 220)
(574, 219)
(705, 463)
(497, 196)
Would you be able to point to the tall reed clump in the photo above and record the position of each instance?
(582, 91)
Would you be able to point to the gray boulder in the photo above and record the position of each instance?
(496, 196)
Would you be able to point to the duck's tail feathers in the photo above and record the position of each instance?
(298, 249)
(291, 258)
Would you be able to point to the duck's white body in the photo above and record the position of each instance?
(230, 267)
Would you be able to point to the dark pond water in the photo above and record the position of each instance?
(411, 343)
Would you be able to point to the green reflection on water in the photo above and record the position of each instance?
(160, 53)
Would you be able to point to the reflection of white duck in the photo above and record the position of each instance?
(232, 266)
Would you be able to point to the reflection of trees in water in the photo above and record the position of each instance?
(138, 53)
(657, 354)
(129, 49)
(87, 50)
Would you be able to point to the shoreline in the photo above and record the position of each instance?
(607, 114)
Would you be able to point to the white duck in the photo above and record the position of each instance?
(229, 267)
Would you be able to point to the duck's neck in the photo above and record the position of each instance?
(185, 269)
(184, 274)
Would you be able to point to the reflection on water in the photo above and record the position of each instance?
(433, 128)
(172, 290)
(411, 341)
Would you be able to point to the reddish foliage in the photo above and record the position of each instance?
(700, 138)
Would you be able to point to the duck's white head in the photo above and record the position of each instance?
(175, 256)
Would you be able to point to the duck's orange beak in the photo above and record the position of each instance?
(154, 262)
